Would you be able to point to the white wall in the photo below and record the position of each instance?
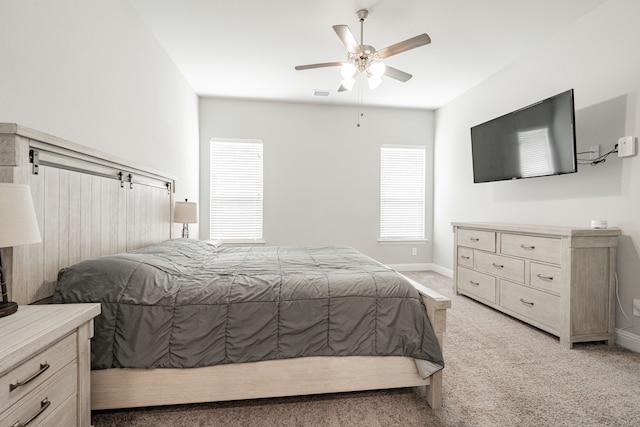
(91, 72)
(598, 57)
(321, 171)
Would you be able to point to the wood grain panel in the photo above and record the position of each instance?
(51, 231)
(74, 210)
(85, 227)
(588, 313)
(64, 224)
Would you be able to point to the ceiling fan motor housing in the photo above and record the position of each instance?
(365, 58)
(362, 15)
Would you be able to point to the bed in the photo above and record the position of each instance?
(133, 215)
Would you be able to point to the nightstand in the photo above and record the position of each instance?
(45, 363)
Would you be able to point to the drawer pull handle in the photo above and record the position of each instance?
(464, 257)
(43, 367)
(530, 304)
(44, 404)
(474, 283)
(474, 239)
(497, 265)
(530, 248)
(544, 277)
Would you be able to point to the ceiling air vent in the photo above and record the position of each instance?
(324, 93)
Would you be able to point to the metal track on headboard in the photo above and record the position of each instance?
(39, 157)
(88, 204)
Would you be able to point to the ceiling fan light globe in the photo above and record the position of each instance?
(377, 69)
(374, 81)
(348, 70)
(348, 83)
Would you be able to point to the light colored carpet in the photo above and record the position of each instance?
(499, 372)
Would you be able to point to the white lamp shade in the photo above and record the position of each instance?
(18, 223)
(186, 212)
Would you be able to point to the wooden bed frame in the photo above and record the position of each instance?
(91, 204)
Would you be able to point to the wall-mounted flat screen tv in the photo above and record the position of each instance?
(537, 140)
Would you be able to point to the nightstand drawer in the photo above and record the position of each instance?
(465, 256)
(35, 371)
(480, 285)
(484, 240)
(534, 304)
(509, 268)
(545, 249)
(65, 414)
(45, 400)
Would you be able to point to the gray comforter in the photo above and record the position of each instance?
(187, 303)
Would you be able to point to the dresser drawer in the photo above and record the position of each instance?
(36, 370)
(509, 268)
(484, 240)
(480, 285)
(545, 249)
(534, 304)
(465, 256)
(547, 277)
(45, 400)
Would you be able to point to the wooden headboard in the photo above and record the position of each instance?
(88, 204)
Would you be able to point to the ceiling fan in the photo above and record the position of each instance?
(365, 59)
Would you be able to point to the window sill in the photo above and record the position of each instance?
(403, 241)
(243, 242)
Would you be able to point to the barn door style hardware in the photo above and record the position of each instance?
(34, 158)
(125, 178)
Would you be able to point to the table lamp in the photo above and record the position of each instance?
(18, 226)
(187, 213)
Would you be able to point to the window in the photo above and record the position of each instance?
(402, 181)
(236, 190)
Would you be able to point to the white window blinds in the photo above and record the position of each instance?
(402, 181)
(236, 190)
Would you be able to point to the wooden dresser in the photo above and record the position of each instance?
(559, 279)
(45, 363)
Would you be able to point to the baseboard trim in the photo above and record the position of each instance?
(422, 267)
(411, 267)
(628, 340)
(441, 270)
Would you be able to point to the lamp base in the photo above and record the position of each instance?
(8, 308)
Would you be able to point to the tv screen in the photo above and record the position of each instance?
(537, 140)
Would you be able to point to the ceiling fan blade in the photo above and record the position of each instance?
(347, 38)
(403, 46)
(394, 73)
(321, 65)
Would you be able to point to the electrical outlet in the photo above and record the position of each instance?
(636, 307)
(594, 151)
(414, 251)
(627, 146)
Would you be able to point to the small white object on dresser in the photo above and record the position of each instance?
(45, 364)
(558, 279)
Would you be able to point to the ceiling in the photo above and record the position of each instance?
(248, 48)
